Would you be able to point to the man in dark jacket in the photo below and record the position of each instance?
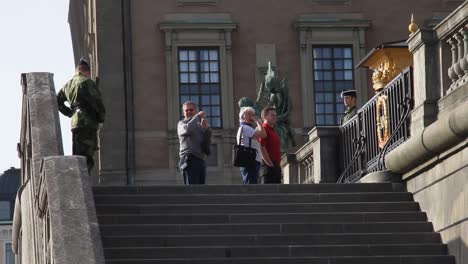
(86, 111)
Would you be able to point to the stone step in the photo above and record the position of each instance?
(256, 208)
(254, 189)
(230, 229)
(263, 240)
(354, 217)
(274, 251)
(252, 198)
(302, 260)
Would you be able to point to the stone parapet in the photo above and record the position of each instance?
(436, 138)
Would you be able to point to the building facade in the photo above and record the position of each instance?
(9, 183)
(151, 56)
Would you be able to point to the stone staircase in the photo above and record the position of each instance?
(313, 224)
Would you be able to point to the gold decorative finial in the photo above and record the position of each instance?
(413, 27)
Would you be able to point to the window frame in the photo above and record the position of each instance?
(198, 71)
(336, 102)
(330, 29)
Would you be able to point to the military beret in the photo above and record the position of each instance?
(83, 62)
(348, 93)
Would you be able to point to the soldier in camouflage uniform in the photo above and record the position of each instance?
(349, 100)
(86, 110)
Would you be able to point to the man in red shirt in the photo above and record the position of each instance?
(271, 148)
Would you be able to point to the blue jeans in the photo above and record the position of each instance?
(250, 174)
(193, 170)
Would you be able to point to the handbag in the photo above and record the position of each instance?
(243, 156)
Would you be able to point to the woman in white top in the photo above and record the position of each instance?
(251, 129)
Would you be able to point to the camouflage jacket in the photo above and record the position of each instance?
(86, 107)
(348, 114)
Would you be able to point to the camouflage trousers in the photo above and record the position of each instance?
(85, 144)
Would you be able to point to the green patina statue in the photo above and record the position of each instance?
(274, 92)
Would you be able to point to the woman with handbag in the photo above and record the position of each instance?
(250, 130)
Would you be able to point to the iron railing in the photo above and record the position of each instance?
(380, 125)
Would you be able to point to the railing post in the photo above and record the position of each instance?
(290, 168)
(325, 147)
(426, 79)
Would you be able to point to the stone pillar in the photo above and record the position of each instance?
(325, 147)
(110, 49)
(74, 229)
(290, 168)
(426, 82)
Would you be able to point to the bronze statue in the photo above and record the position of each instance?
(274, 92)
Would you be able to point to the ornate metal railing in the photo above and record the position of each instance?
(379, 126)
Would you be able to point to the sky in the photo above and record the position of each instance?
(34, 37)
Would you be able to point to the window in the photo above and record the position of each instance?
(332, 73)
(200, 82)
(5, 210)
(9, 255)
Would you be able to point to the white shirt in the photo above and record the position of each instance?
(248, 132)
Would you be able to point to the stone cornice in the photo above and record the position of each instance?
(331, 21)
(194, 21)
(453, 21)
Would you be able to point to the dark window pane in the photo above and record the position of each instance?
(318, 64)
(205, 89)
(319, 98)
(184, 78)
(215, 100)
(216, 111)
(183, 55)
(348, 53)
(318, 76)
(207, 110)
(339, 75)
(327, 64)
(328, 86)
(193, 67)
(327, 75)
(318, 85)
(184, 89)
(195, 98)
(216, 122)
(329, 97)
(204, 67)
(205, 99)
(214, 55)
(339, 64)
(194, 89)
(193, 78)
(213, 66)
(320, 120)
(348, 75)
(338, 53)
(327, 52)
(330, 120)
(192, 55)
(320, 108)
(318, 53)
(348, 64)
(215, 88)
(204, 55)
(214, 78)
(329, 108)
(183, 67)
(205, 77)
